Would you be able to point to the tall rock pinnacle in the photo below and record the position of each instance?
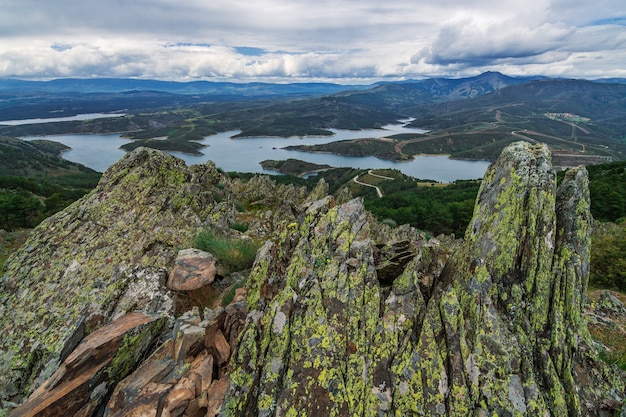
(498, 332)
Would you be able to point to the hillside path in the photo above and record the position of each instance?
(378, 190)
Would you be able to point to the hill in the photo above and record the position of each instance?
(583, 123)
(119, 85)
(36, 183)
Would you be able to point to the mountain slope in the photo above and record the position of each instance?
(36, 159)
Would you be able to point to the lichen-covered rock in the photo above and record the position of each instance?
(500, 331)
(73, 273)
(269, 203)
(101, 360)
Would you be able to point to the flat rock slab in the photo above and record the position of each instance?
(193, 269)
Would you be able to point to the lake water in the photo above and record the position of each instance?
(101, 151)
(85, 116)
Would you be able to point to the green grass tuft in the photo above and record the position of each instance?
(240, 227)
(233, 253)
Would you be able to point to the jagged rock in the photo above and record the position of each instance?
(186, 375)
(145, 290)
(193, 269)
(102, 358)
(274, 203)
(344, 195)
(499, 331)
(391, 258)
(78, 269)
(320, 191)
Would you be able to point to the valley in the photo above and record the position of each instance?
(472, 119)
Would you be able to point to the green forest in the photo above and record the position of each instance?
(24, 201)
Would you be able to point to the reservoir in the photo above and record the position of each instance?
(84, 116)
(101, 151)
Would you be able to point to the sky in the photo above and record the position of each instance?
(342, 41)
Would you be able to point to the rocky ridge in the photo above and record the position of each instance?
(110, 253)
(343, 315)
(498, 331)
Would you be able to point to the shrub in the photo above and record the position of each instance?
(239, 206)
(608, 264)
(234, 254)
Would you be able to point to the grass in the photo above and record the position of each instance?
(234, 254)
(9, 242)
(229, 293)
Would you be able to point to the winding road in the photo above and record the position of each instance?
(370, 172)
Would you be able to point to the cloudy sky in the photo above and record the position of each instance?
(356, 41)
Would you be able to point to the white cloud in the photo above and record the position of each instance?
(302, 39)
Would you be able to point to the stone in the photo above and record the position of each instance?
(217, 344)
(192, 270)
(103, 357)
(216, 396)
(179, 383)
(240, 295)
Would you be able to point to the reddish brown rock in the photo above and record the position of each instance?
(240, 295)
(193, 269)
(216, 396)
(183, 377)
(94, 364)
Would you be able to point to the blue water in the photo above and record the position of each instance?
(101, 151)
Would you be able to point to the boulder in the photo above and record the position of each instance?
(192, 270)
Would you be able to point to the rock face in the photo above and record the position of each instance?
(98, 259)
(186, 375)
(498, 331)
(80, 383)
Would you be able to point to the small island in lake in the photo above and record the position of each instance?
(293, 166)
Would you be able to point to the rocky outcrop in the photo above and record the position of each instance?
(97, 364)
(102, 257)
(112, 252)
(343, 315)
(498, 331)
(186, 375)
